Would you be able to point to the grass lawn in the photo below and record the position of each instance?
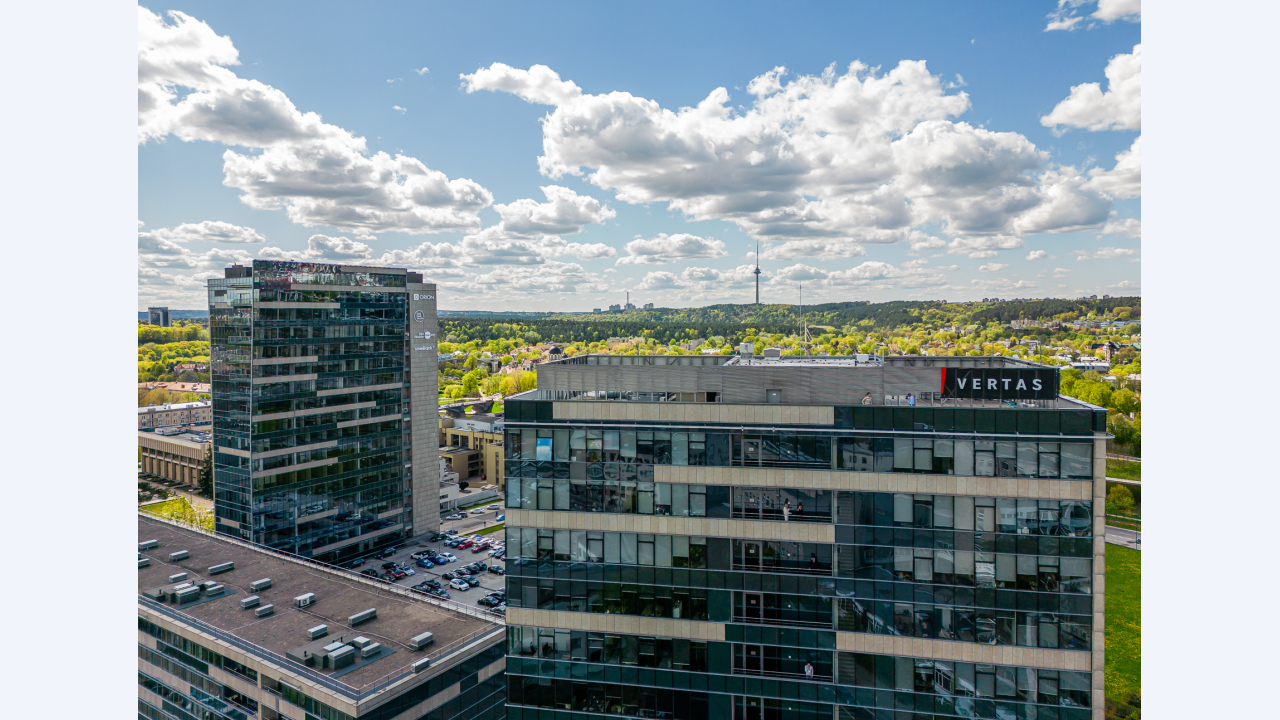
(1124, 621)
(1124, 469)
(489, 530)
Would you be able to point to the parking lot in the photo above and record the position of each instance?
(489, 582)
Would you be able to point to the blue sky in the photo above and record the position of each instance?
(888, 182)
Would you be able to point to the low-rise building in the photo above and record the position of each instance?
(189, 413)
(472, 446)
(229, 629)
(178, 456)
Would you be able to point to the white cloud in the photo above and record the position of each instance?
(668, 248)
(320, 174)
(550, 277)
(1126, 285)
(207, 231)
(975, 246)
(423, 71)
(530, 231)
(993, 267)
(400, 109)
(394, 80)
(1125, 179)
(1131, 227)
(1119, 108)
(821, 160)
(1110, 253)
(1067, 16)
(1037, 255)
(321, 247)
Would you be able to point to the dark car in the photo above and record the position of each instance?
(439, 592)
(473, 582)
(370, 572)
(450, 575)
(388, 565)
(500, 610)
(497, 570)
(489, 601)
(356, 563)
(389, 552)
(437, 537)
(388, 577)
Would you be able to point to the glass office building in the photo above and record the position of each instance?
(317, 370)
(751, 538)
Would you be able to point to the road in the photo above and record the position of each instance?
(1126, 538)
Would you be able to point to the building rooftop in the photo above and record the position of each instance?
(173, 406)
(401, 613)
(194, 439)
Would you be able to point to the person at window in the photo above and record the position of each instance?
(786, 511)
(911, 400)
(813, 561)
(799, 509)
(866, 399)
(808, 671)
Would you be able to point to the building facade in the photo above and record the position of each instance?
(324, 406)
(158, 316)
(749, 538)
(483, 435)
(228, 630)
(188, 413)
(178, 457)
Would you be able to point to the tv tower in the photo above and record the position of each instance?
(756, 272)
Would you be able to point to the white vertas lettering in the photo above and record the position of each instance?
(1035, 384)
(1006, 382)
(1022, 384)
(991, 384)
(960, 382)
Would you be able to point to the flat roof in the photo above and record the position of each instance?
(789, 361)
(402, 614)
(195, 440)
(174, 406)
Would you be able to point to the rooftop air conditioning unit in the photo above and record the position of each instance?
(343, 657)
(251, 601)
(773, 352)
(143, 562)
(186, 594)
(214, 589)
(179, 555)
(177, 577)
(262, 584)
(318, 631)
(363, 616)
(304, 600)
(370, 650)
(422, 664)
(361, 641)
(148, 544)
(420, 641)
(222, 567)
(264, 611)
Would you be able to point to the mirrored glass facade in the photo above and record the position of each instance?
(310, 400)
(690, 567)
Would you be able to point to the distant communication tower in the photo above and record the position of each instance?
(756, 272)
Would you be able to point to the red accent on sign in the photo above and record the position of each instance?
(944, 380)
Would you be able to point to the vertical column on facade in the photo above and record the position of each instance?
(1099, 577)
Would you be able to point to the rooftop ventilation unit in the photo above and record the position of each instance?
(222, 567)
(420, 641)
(343, 657)
(304, 600)
(180, 555)
(251, 601)
(363, 616)
(213, 589)
(264, 611)
(177, 577)
(186, 594)
(262, 584)
(370, 650)
(318, 631)
(143, 562)
(422, 664)
(157, 594)
(183, 586)
(361, 641)
(773, 352)
(148, 544)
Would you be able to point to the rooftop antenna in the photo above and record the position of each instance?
(756, 272)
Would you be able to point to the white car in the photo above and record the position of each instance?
(495, 551)
(407, 570)
(419, 555)
(449, 557)
(494, 507)
(477, 511)
(459, 585)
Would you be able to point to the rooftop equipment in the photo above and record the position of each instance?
(363, 616)
(420, 641)
(262, 584)
(264, 611)
(179, 555)
(148, 544)
(251, 601)
(318, 631)
(222, 567)
(177, 577)
(304, 600)
(422, 664)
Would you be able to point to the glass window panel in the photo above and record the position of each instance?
(680, 546)
(680, 500)
(1007, 509)
(611, 440)
(644, 553)
(561, 493)
(964, 512)
(903, 510)
(944, 448)
(1048, 465)
(561, 548)
(984, 464)
(662, 551)
(964, 457)
(943, 509)
(627, 447)
(1028, 459)
(560, 445)
(1077, 460)
(528, 444)
(612, 547)
(1006, 568)
(1006, 450)
(924, 570)
(680, 448)
(578, 546)
(578, 439)
(628, 548)
(903, 454)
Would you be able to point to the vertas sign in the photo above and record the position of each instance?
(1000, 383)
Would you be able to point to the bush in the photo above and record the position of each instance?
(1119, 500)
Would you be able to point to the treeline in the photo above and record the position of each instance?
(166, 335)
(597, 328)
(1050, 308)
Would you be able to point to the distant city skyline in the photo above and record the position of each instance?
(531, 160)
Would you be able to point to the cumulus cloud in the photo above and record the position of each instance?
(207, 231)
(992, 267)
(814, 163)
(1125, 179)
(1131, 227)
(1110, 253)
(668, 248)
(1037, 255)
(423, 71)
(1067, 15)
(320, 174)
(1119, 108)
(978, 247)
(530, 231)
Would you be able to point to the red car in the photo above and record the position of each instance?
(480, 547)
(465, 544)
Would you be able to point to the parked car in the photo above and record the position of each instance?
(436, 537)
(479, 547)
(398, 574)
(389, 552)
(407, 570)
(426, 562)
(489, 601)
(420, 554)
(370, 572)
(501, 609)
(450, 531)
(439, 592)
(356, 563)
(450, 575)
(389, 576)
(501, 517)
(495, 551)
(459, 585)
(465, 544)
(497, 570)
(388, 565)
(439, 560)
(494, 507)
(477, 511)
(449, 557)
(472, 581)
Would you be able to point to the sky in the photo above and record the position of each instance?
(554, 156)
